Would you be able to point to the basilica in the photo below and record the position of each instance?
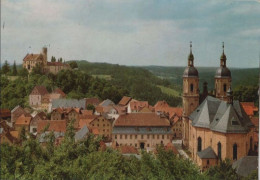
(215, 126)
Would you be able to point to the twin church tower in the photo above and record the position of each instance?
(191, 94)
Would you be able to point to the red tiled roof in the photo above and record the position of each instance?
(87, 112)
(171, 147)
(15, 134)
(32, 57)
(160, 105)
(255, 121)
(141, 119)
(59, 91)
(172, 111)
(120, 109)
(42, 115)
(128, 150)
(40, 90)
(249, 108)
(93, 101)
(23, 120)
(55, 125)
(5, 113)
(124, 101)
(138, 105)
(99, 109)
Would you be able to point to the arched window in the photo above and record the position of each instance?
(191, 87)
(199, 144)
(219, 150)
(225, 88)
(235, 152)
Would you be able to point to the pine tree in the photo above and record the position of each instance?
(6, 68)
(14, 69)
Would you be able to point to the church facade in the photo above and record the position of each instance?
(30, 61)
(215, 126)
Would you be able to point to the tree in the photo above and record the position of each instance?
(14, 69)
(23, 72)
(53, 59)
(23, 134)
(73, 64)
(60, 60)
(6, 68)
(37, 69)
(90, 107)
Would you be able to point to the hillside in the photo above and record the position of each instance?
(240, 77)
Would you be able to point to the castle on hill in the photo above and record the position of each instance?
(32, 60)
(215, 127)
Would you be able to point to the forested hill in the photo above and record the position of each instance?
(139, 82)
(240, 77)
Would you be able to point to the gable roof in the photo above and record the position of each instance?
(141, 119)
(207, 153)
(160, 105)
(94, 101)
(249, 108)
(54, 125)
(107, 102)
(138, 105)
(41, 90)
(128, 149)
(32, 57)
(23, 120)
(59, 91)
(171, 147)
(124, 101)
(87, 112)
(220, 116)
(245, 165)
(81, 133)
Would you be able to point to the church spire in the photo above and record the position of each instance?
(223, 57)
(191, 57)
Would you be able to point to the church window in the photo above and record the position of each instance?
(235, 152)
(199, 144)
(225, 88)
(191, 87)
(219, 150)
(251, 143)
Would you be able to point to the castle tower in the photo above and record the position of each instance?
(44, 53)
(222, 78)
(190, 96)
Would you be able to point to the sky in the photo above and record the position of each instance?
(134, 32)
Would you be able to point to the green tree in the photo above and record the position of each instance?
(53, 59)
(90, 107)
(23, 72)
(23, 134)
(37, 69)
(6, 68)
(14, 69)
(73, 64)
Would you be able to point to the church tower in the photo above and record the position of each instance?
(222, 78)
(190, 97)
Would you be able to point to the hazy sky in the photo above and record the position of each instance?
(134, 32)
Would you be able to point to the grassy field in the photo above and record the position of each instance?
(169, 91)
(101, 76)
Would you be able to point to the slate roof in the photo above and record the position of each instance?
(42, 136)
(220, 116)
(107, 102)
(245, 165)
(207, 153)
(81, 133)
(141, 119)
(67, 103)
(124, 101)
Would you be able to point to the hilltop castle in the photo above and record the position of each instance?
(214, 127)
(32, 60)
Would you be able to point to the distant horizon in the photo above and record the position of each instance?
(136, 32)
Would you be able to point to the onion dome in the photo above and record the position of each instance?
(190, 71)
(223, 71)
